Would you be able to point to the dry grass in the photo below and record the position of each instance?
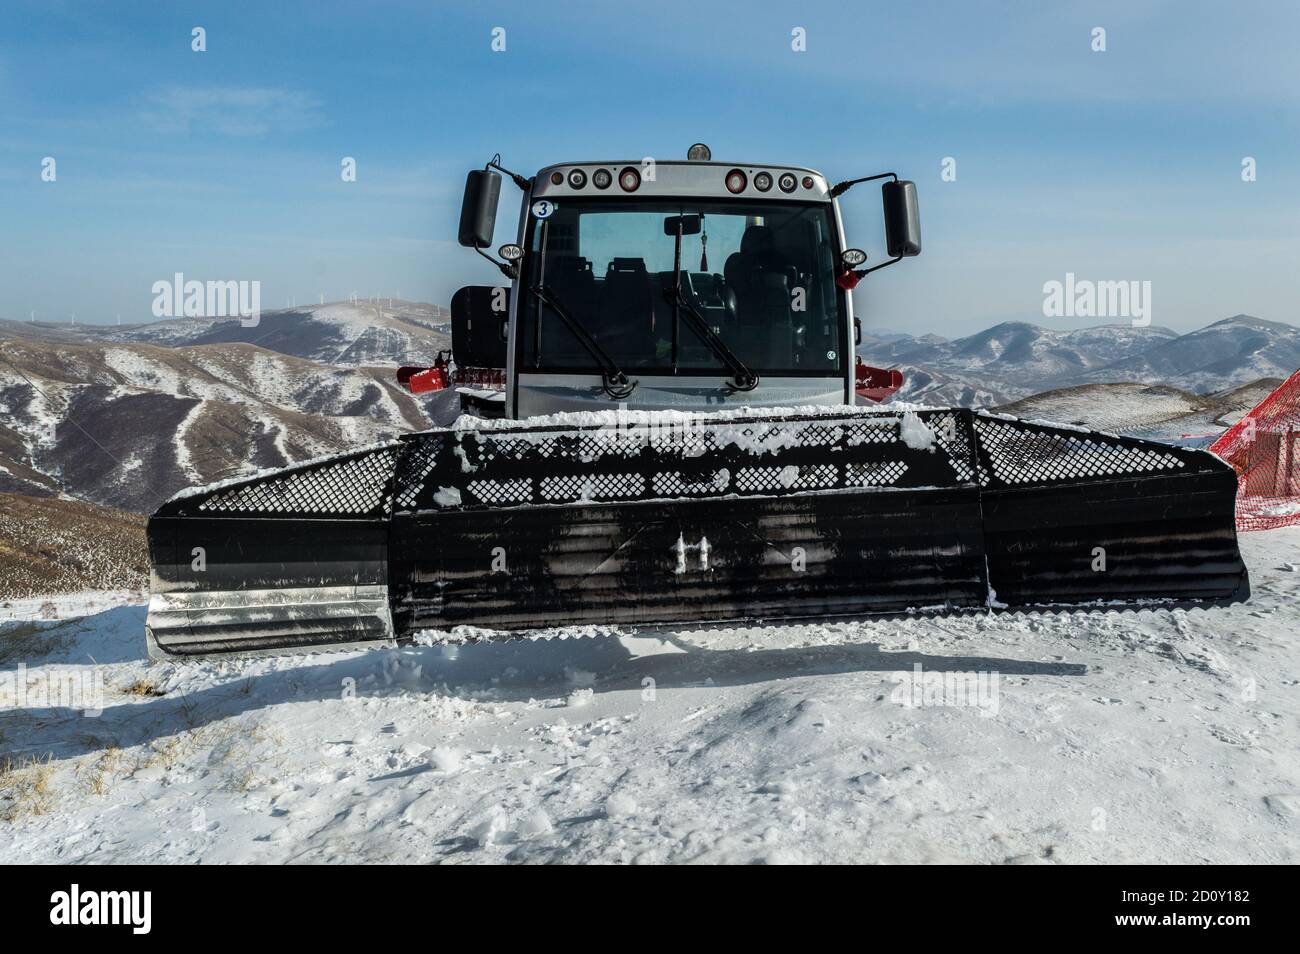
(105, 770)
(25, 641)
(26, 787)
(144, 689)
(169, 751)
(251, 764)
(98, 783)
(51, 546)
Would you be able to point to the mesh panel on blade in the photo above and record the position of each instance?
(592, 487)
(763, 479)
(685, 458)
(1020, 454)
(421, 457)
(350, 486)
(874, 475)
(954, 438)
(769, 456)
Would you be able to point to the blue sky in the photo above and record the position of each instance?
(225, 164)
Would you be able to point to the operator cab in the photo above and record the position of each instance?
(687, 285)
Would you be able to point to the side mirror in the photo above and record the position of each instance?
(478, 210)
(902, 218)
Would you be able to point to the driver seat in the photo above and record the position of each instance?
(763, 284)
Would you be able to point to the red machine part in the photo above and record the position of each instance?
(442, 375)
(422, 380)
(876, 384)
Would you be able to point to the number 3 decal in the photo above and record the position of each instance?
(542, 208)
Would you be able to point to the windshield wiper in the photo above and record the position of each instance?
(613, 381)
(742, 378)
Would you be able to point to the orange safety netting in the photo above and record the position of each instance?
(1264, 448)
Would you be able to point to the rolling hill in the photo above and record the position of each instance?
(129, 424)
(1015, 360)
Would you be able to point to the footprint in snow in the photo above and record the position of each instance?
(1286, 804)
(1231, 738)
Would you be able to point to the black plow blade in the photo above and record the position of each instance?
(653, 520)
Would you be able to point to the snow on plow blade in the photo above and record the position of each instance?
(685, 519)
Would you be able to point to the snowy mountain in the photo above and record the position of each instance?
(1014, 360)
(127, 415)
(1228, 352)
(129, 424)
(386, 331)
(926, 386)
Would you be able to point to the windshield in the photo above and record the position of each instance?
(761, 275)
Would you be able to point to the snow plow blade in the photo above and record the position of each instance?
(646, 520)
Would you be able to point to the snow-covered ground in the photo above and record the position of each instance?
(1136, 737)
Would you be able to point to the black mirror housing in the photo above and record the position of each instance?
(690, 224)
(902, 218)
(479, 316)
(478, 209)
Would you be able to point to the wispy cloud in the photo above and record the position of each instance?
(232, 110)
